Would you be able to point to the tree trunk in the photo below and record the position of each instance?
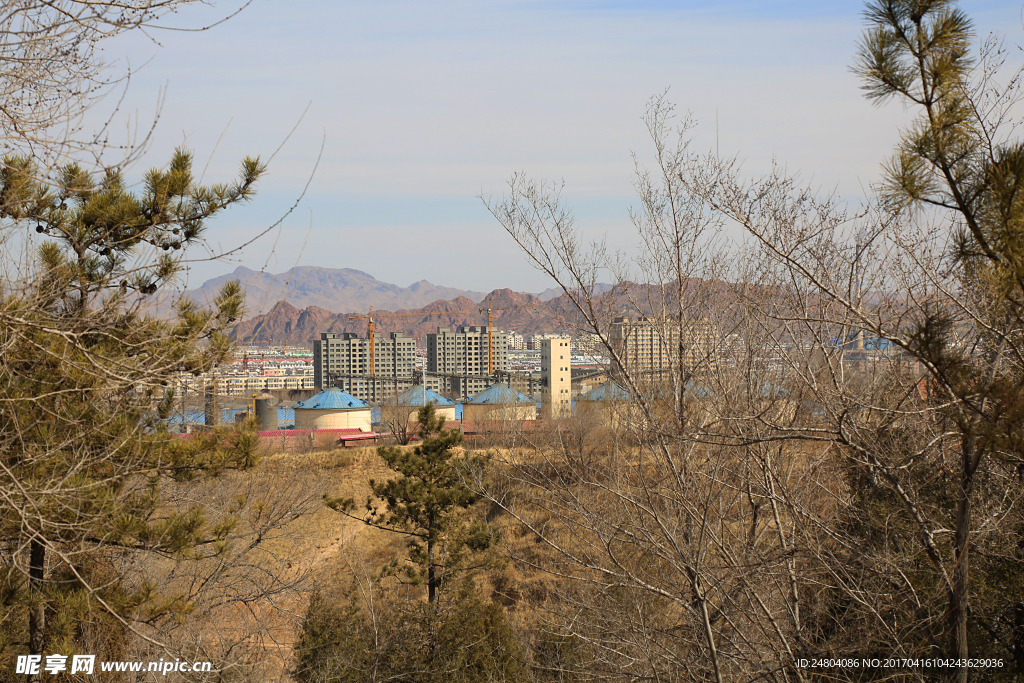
(961, 559)
(37, 615)
(431, 576)
(702, 604)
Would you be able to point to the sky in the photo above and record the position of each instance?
(413, 110)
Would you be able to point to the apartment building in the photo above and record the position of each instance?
(587, 343)
(459, 358)
(343, 361)
(187, 386)
(653, 348)
(556, 376)
(534, 341)
(243, 386)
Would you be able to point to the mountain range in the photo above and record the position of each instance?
(335, 289)
(297, 305)
(286, 323)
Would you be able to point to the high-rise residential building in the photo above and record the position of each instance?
(556, 376)
(343, 361)
(534, 340)
(588, 343)
(652, 347)
(516, 341)
(460, 357)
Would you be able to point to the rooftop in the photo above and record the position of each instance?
(414, 397)
(332, 399)
(500, 394)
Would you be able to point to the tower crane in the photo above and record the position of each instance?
(490, 330)
(371, 318)
(369, 334)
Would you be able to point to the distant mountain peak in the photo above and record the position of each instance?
(330, 289)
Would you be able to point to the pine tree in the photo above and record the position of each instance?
(83, 391)
(960, 161)
(424, 504)
(468, 640)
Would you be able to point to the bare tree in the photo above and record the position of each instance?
(246, 596)
(818, 480)
(53, 72)
(928, 418)
(670, 556)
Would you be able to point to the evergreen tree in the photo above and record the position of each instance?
(960, 159)
(83, 391)
(467, 640)
(424, 503)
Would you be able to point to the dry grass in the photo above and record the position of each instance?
(333, 551)
(286, 543)
(335, 543)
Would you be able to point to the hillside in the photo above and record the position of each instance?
(526, 313)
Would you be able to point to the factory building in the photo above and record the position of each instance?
(343, 361)
(556, 376)
(653, 348)
(460, 358)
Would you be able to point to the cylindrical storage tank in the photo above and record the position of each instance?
(412, 400)
(333, 409)
(447, 412)
(609, 404)
(500, 403)
(266, 413)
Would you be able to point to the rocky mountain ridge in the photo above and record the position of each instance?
(286, 323)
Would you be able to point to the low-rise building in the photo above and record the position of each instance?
(588, 344)
(534, 340)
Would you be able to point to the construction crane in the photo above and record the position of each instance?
(490, 331)
(371, 318)
(369, 334)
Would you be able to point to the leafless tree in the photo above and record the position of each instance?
(818, 479)
(671, 554)
(52, 72)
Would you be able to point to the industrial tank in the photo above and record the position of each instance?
(266, 412)
(333, 409)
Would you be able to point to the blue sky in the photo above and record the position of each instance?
(421, 106)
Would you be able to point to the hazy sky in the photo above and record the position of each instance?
(421, 106)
